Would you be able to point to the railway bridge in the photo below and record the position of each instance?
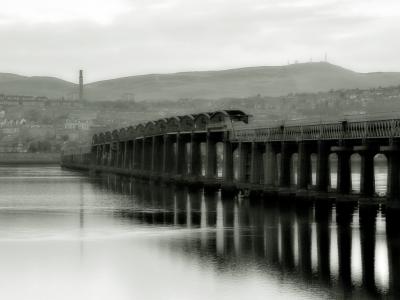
(223, 149)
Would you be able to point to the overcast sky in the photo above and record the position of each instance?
(113, 38)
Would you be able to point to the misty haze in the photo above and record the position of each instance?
(199, 149)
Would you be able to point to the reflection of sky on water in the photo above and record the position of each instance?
(66, 236)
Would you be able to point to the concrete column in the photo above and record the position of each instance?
(121, 150)
(242, 151)
(143, 156)
(101, 159)
(97, 155)
(195, 156)
(158, 154)
(167, 154)
(304, 166)
(227, 170)
(255, 164)
(138, 155)
(134, 152)
(129, 155)
(110, 155)
(180, 157)
(322, 166)
(117, 154)
(125, 160)
(284, 180)
(211, 157)
(367, 184)
(269, 165)
(121, 154)
(102, 154)
(344, 170)
(106, 154)
(153, 154)
(393, 189)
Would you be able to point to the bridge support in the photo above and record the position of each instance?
(227, 169)
(284, 179)
(393, 189)
(269, 165)
(344, 170)
(243, 162)
(256, 164)
(180, 156)
(195, 156)
(322, 166)
(304, 166)
(211, 157)
(157, 155)
(167, 154)
(367, 180)
(135, 151)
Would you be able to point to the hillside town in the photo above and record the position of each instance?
(40, 124)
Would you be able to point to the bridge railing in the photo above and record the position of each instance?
(359, 128)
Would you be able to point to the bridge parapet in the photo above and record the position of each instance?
(322, 131)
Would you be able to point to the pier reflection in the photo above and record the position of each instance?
(347, 249)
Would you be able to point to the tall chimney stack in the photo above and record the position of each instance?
(80, 85)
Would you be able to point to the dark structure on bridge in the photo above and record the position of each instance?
(222, 150)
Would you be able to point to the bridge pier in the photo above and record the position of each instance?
(139, 154)
(242, 161)
(393, 190)
(156, 155)
(167, 155)
(304, 166)
(227, 169)
(135, 158)
(180, 156)
(367, 178)
(195, 156)
(211, 157)
(120, 154)
(284, 178)
(107, 156)
(343, 170)
(322, 166)
(256, 164)
(129, 155)
(270, 165)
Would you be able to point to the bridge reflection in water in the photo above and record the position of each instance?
(344, 248)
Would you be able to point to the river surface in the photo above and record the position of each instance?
(64, 235)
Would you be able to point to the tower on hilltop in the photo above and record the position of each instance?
(80, 85)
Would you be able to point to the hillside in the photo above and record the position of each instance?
(244, 82)
(11, 84)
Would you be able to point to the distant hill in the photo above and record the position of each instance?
(243, 82)
(11, 84)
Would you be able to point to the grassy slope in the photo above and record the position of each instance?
(244, 82)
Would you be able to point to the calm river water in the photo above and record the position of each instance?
(64, 235)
